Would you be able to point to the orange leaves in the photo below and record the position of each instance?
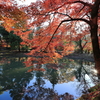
(23, 35)
(53, 66)
(13, 17)
(45, 17)
(8, 23)
(29, 63)
(4, 60)
(36, 69)
(88, 47)
(7, 2)
(68, 49)
(49, 4)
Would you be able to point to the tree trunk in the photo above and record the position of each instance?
(94, 34)
(80, 46)
(19, 47)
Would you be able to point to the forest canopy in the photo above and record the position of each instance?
(55, 24)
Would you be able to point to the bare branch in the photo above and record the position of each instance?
(77, 19)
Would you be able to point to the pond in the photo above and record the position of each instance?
(68, 77)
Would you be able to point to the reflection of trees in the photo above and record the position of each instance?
(38, 92)
(14, 78)
(67, 70)
(65, 75)
(64, 70)
(52, 76)
(98, 69)
(35, 93)
(39, 80)
(86, 76)
(1, 92)
(82, 70)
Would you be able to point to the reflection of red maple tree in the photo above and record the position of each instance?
(4, 60)
(38, 92)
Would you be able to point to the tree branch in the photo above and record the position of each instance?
(53, 35)
(84, 3)
(77, 19)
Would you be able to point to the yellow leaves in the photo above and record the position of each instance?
(13, 17)
(8, 23)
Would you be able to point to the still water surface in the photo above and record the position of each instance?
(69, 76)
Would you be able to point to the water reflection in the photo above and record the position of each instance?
(46, 81)
(38, 92)
(86, 75)
(13, 78)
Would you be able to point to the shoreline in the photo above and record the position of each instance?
(85, 57)
(75, 56)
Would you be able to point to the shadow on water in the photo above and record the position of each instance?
(67, 79)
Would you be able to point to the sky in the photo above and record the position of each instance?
(25, 2)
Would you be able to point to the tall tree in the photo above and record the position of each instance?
(63, 20)
(94, 28)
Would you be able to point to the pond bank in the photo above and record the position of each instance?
(77, 56)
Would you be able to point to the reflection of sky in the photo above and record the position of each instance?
(61, 88)
(88, 79)
(70, 87)
(1, 69)
(5, 96)
(25, 2)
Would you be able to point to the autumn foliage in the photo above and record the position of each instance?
(53, 25)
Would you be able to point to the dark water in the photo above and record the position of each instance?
(71, 77)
